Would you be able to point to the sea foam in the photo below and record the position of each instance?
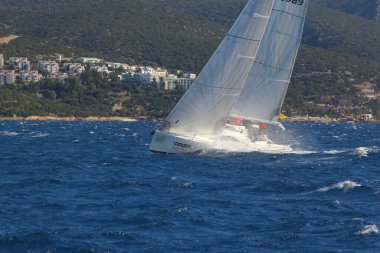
(368, 230)
(362, 151)
(346, 185)
(365, 151)
(9, 133)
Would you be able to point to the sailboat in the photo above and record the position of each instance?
(240, 91)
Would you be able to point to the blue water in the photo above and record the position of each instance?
(95, 187)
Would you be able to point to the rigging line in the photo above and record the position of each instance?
(253, 62)
(216, 87)
(291, 14)
(242, 38)
(271, 66)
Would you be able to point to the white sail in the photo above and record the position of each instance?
(268, 80)
(206, 105)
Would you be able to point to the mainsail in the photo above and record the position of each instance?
(268, 80)
(208, 102)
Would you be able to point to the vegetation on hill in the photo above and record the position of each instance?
(88, 95)
(364, 8)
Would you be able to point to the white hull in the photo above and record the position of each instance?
(230, 141)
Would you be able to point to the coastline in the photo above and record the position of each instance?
(136, 119)
(325, 120)
(54, 118)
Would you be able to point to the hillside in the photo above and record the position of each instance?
(182, 34)
(369, 9)
(136, 30)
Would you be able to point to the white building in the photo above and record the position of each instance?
(89, 60)
(58, 76)
(103, 70)
(132, 68)
(19, 63)
(30, 76)
(7, 77)
(115, 65)
(1, 61)
(185, 82)
(155, 74)
(59, 57)
(136, 78)
(49, 66)
(366, 116)
(190, 76)
(169, 83)
(74, 68)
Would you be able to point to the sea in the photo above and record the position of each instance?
(96, 187)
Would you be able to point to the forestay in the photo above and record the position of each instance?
(268, 80)
(208, 102)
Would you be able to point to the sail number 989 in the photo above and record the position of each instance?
(298, 2)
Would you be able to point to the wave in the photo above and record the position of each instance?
(9, 133)
(303, 152)
(365, 151)
(334, 152)
(39, 135)
(360, 151)
(346, 185)
(368, 230)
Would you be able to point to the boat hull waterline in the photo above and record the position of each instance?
(167, 143)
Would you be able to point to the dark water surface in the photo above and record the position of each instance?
(95, 187)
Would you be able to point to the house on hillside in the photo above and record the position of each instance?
(7, 77)
(74, 68)
(30, 76)
(1, 61)
(48, 66)
(169, 83)
(89, 60)
(19, 63)
(136, 78)
(59, 76)
(367, 90)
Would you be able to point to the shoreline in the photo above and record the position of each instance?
(326, 120)
(54, 118)
(137, 119)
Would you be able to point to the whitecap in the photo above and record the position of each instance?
(303, 152)
(362, 151)
(368, 230)
(186, 185)
(181, 210)
(333, 152)
(346, 185)
(40, 135)
(9, 133)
